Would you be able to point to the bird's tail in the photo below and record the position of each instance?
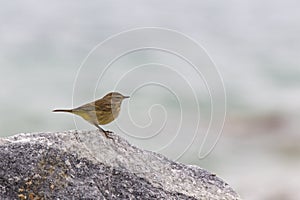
(62, 110)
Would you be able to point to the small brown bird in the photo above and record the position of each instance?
(101, 111)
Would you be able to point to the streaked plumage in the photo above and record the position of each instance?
(101, 111)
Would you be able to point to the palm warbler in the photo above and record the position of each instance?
(101, 111)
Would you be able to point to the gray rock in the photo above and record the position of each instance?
(86, 165)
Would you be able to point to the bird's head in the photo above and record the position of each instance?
(115, 97)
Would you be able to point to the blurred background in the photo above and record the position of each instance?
(254, 44)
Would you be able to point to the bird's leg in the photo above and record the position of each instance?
(106, 133)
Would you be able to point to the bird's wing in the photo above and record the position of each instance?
(103, 106)
(98, 105)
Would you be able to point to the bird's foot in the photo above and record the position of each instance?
(106, 133)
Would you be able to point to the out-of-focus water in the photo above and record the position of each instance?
(255, 45)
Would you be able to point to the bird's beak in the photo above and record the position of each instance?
(125, 97)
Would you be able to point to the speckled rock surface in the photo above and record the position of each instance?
(86, 165)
